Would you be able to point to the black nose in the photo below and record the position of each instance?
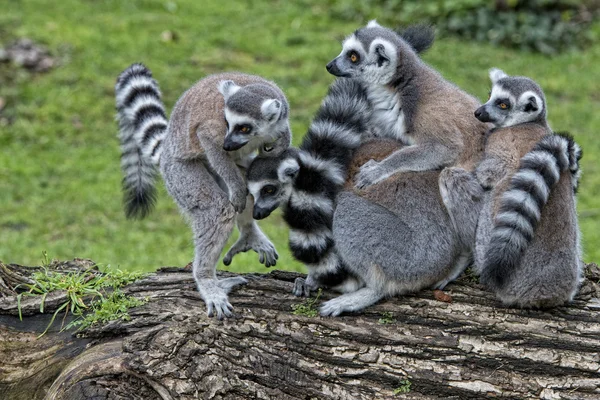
(482, 115)
(260, 213)
(329, 66)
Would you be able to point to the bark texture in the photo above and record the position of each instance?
(414, 347)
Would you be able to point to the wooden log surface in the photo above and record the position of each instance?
(413, 347)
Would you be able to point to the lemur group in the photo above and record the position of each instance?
(401, 182)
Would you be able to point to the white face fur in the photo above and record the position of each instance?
(375, 65)
(245, 129)
(508, 108)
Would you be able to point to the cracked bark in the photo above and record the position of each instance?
(470, 348)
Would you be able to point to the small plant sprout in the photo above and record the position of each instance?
(308, 308)
(403, 388)
(386, 318)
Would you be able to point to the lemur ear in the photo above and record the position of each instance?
(373, 24)
(227, 88)
(271, 109)
(380, 50)
(288, 170)
(531, 105)
(497, 74)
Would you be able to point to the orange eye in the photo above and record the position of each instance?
(353, 56)
(244, 129)
(503, 106)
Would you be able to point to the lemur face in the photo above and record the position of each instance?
(270, 182)
(253, 118)
(513, 101)
(369, 54)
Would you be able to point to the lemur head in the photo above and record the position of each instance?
(255, 114)
(270, 181)
(377, 55)
(513, 100)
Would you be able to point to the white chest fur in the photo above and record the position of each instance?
(387, 118)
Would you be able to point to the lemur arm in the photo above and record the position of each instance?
(490, 171)
(426, 156)
(223, 165)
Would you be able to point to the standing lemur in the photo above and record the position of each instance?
(215, 128)
(526, 236)
(412, 103)
(305, 182)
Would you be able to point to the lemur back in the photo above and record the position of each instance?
(215, 128)
(412, 103)
(526, 238)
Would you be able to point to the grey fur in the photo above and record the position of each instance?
(397, 237)
(412, 103)
(214, 131)
(526, 236)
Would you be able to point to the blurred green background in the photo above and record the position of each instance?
(59, 158)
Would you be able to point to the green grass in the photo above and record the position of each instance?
(106, 300)
(59, 164)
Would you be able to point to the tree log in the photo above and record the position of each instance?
(459, 345)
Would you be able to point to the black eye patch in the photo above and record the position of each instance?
(245, 128)
(268, 190)
(503, 104)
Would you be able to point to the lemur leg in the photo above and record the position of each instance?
(463, 196)
(252, 238)
(421, 157)
(223, 166)
(211, 216)
(349, 302)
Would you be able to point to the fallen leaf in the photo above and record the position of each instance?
(441, 296)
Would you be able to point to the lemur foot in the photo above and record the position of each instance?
(333, 307)
(370, 173)
(215, 296)
(350, 302)
(257, 241)
(303, 287)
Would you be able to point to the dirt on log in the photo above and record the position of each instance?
(461, 344)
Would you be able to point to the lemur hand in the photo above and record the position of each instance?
(370, 173)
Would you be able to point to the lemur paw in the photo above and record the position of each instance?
(267, 254)
(370, 173)
(332, 308)
(215, 298)
(302, 287)
(238, 200)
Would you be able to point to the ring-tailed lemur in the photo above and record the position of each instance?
(396, 235)
(308, 198)
(214, 130)
(412, 103)
(305, 181)
(526, 237)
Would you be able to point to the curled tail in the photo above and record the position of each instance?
(521, 205)
(142, 128)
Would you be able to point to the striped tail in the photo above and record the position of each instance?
(325, 153)
(521, 205)
(142, 128)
